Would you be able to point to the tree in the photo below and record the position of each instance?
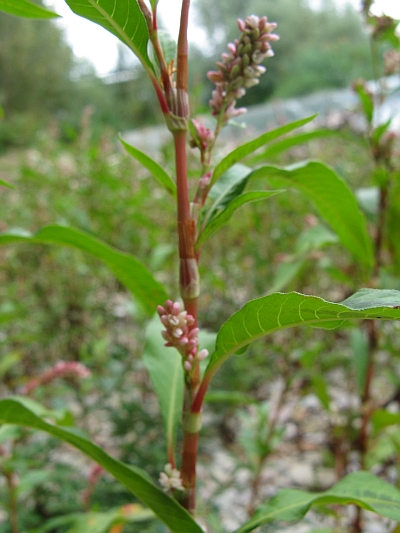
(35, 66)
(318, 48)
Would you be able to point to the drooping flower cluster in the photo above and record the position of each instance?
(240, 69)
(171, 478)
(179, 334)
(203, 139)
(62, 369)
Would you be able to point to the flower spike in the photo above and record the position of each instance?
(240, 69)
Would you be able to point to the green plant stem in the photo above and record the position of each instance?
(383, 205)
(256, 481)
(12, 495)
(188, 470)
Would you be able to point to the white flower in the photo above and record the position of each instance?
(170, 479)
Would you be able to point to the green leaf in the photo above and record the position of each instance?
(321, 390)
(285, 273)
(360, 488)
(282, 311)
(164, 365)
(136, 480)
(294, 140)
(231, 397)
(9, 432)
(168, 46)
(230, 185)
(311, 239)
(157, 170)
(97, 522)
(5, 183)
(126, 268)
(123, 18)
(314, 238)
(380, 130)
(223, 217)
(248, 148)
(24, 8)
(366, 101)
(381, 419)
(8, 361)
(33, 478)
(359, 344)
(333, 199)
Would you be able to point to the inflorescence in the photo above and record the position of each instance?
(240, 69)
(180, 334)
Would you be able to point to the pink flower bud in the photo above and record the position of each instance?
(241, 25)
(193, 333)
(161, 311)
(202, 354)
(252, 21)
(232, 49)
(175, 308)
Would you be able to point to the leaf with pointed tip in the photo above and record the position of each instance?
(157, 170)
(166, 373)
(248, 148)
(333, 199)
(5, 183)
(123, 18)
(24, 8)
(294, 140)
(230, 185)
(126, 268)
(223, 217)
(366, 101)
(279, 311)
(17, 411)
(381, 419)
(360, 488)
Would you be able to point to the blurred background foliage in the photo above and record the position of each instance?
(59, 148)
(41, 80)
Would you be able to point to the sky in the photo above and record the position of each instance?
(92, 42)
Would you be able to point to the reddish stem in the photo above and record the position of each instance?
(189, 458)
(160, 95)
(182, 62)
(181, 176)
(155, 28)
(198, 400)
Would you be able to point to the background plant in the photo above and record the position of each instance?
(279, 174)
